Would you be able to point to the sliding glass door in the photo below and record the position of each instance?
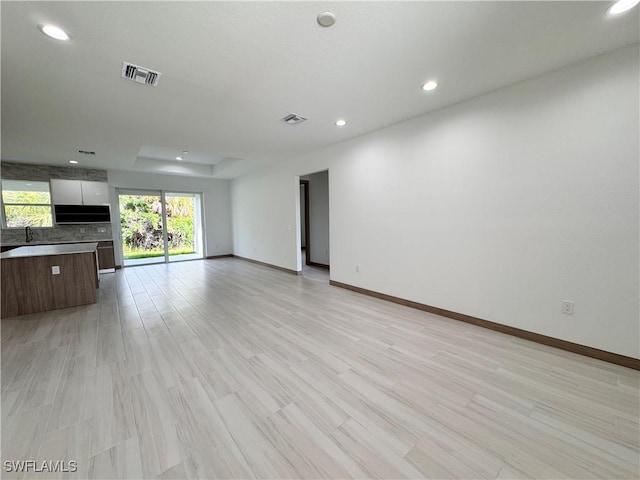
(184, 229)
(160, 227)
(141, 227)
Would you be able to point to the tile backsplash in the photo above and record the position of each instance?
(28, 171)
(58, 233)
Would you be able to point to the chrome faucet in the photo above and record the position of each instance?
(29, 234)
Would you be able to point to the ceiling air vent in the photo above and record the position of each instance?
(292, 119)
(86, 152)
(140, 74)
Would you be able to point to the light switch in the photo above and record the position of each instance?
(55, 270)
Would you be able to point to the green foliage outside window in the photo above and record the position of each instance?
(13, 196)
(26, 204)
(141, 225)
(18, 216)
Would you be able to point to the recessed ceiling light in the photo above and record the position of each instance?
(185, 152)
(622, 6)
(430, 85)
(53, 32)
(73, 161)
(341, 123)
(178, 158)
(326, 19)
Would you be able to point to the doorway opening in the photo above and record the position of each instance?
(314, 224)
(159, 227)
(304, 221)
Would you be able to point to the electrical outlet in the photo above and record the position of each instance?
(567, 307)
(357, 268)
(55, 270)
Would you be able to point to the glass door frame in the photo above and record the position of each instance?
(165, 234)
(201, 239)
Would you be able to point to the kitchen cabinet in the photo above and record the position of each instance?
(95, 193)
(79, 192)
(66, 192)
(106, 256)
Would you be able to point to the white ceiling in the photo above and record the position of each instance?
(231, 70)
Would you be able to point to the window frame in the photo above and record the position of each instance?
(3, 203)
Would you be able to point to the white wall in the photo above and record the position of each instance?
(319, 217)
(266, 219)
(499, 207)
(215, 199)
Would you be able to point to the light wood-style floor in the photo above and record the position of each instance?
(226, 369)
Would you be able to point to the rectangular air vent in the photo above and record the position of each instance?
(86, 152)
(140, 74)
(292, 119)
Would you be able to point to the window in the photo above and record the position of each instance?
(26, 204)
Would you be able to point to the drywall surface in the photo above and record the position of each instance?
(319, 217)
(215, 200)
(266, 219)
(499, 207)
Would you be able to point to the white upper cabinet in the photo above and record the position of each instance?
(95, 193)
(66, 192)
(79, 192)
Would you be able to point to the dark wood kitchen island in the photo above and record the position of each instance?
(48, 277)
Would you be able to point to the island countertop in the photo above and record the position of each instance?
(47, 250)
(40, 278)
(52, 242)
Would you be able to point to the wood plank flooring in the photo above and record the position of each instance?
(227, 369)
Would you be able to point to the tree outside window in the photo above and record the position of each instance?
(26, 204)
